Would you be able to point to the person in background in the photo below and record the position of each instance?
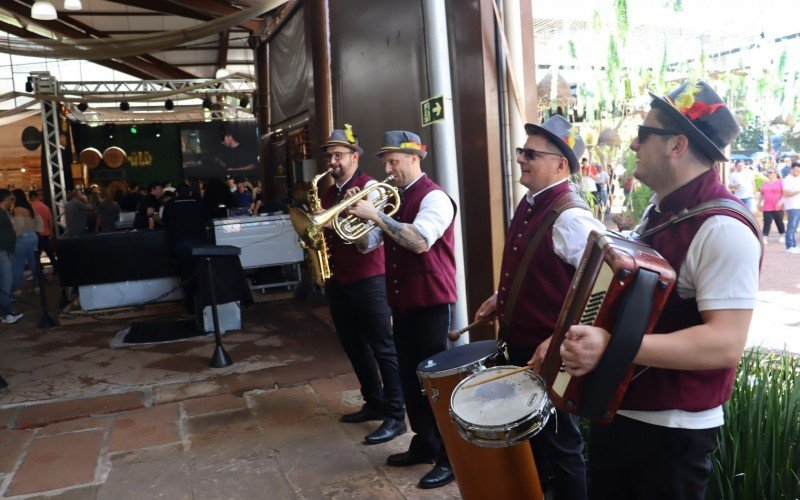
(791, 203)
(75, 213)
(48, 230)
(771, 205)
(742, 183)
(786, 168)
(243, 197)
(147, 211)
(8, 243)
(132, 199)
(93, 198)
(217, 198)
(169, 194)
(26, 223)
(107, 212)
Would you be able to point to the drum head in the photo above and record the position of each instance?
(500, 402)
(463, 355)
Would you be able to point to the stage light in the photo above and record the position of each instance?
(43, 11)
(110, 130)
(124, 106)
(134, 130)
(29, 84)
(83, 106)
(221, 73)
(157, 130)
(168, 104)
(207, 103)
(244, 102)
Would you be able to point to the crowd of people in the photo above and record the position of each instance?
(659, 444)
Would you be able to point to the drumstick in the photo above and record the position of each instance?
(497, 377)
(455, 334)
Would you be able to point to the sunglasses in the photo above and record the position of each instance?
(645, 132)
(533, 154)
(335, 156)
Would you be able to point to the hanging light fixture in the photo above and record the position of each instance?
(43, 11)
(73, 4)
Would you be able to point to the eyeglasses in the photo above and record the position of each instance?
(645, 132)
(533, 154)
(336, 156)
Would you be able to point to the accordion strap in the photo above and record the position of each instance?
(569, 200)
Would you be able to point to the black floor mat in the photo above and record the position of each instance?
(148, 332)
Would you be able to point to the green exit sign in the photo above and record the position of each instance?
(432, 110)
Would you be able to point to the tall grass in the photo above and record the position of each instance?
(759, 450)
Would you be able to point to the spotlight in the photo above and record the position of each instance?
(207, 103)
(157, 130)
(110, 130)
(134, 130)
(244, 102)
(83, 106)
(124, 106)
(168, 104)
(29, 84)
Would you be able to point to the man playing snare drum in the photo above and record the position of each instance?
(549, 157)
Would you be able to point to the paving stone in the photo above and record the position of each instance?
(316, 452)
(212, 404)
(55, 462)
(11, 445)
(39, 415)
(285, 405)
(80, 424)
(336, 393)
(225, 431)
(84, 493)
(374, 488)
(161, 473)
(145, 427)
(8, 418)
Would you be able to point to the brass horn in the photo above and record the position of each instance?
(349, 228)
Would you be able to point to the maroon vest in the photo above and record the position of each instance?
(420, 280)
(659, 389)
(348, 265)
(547, 280)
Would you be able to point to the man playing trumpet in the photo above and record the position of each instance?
(365, 331)
(420, 277)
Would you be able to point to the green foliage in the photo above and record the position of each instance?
(662, 70)
(571, 48)
(758, 180)
(597, 22)
(612, 67)
(621, 7)
(759, 447)
(751, 138)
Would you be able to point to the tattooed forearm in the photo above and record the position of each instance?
(406, 235)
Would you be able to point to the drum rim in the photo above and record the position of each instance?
(468, 367)
(542, 408)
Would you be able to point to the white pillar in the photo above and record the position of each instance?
(516, 128)
(444, 136)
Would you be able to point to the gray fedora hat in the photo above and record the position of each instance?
(402, 142)
(564, 136)
(344, 138)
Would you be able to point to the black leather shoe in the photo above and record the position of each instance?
(407, 458)
(389, 429)
(363, 415)
(440, 475)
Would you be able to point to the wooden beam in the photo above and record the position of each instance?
(108, 63)
(222, 53)
(162, 7)
(71, 28)
(217, 8)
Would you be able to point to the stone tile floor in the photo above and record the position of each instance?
(82, 420)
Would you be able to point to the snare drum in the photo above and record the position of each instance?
(480, 472)
(502, 412)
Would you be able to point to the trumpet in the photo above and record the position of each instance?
(349, 228)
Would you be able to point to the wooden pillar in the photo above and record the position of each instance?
(478, 131)
(529, 68)
(317, 25)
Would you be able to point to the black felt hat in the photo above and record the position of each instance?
(564, 135)
(702, 115)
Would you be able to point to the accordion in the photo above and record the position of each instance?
(621, 285)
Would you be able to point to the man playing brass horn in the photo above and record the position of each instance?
(364, 331)
(550, 154)
(420, 277)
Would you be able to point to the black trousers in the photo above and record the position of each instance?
(557, 448)
(777, 216)
(418, 335)
(629, 459)
(361, 317)
(46, 246)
